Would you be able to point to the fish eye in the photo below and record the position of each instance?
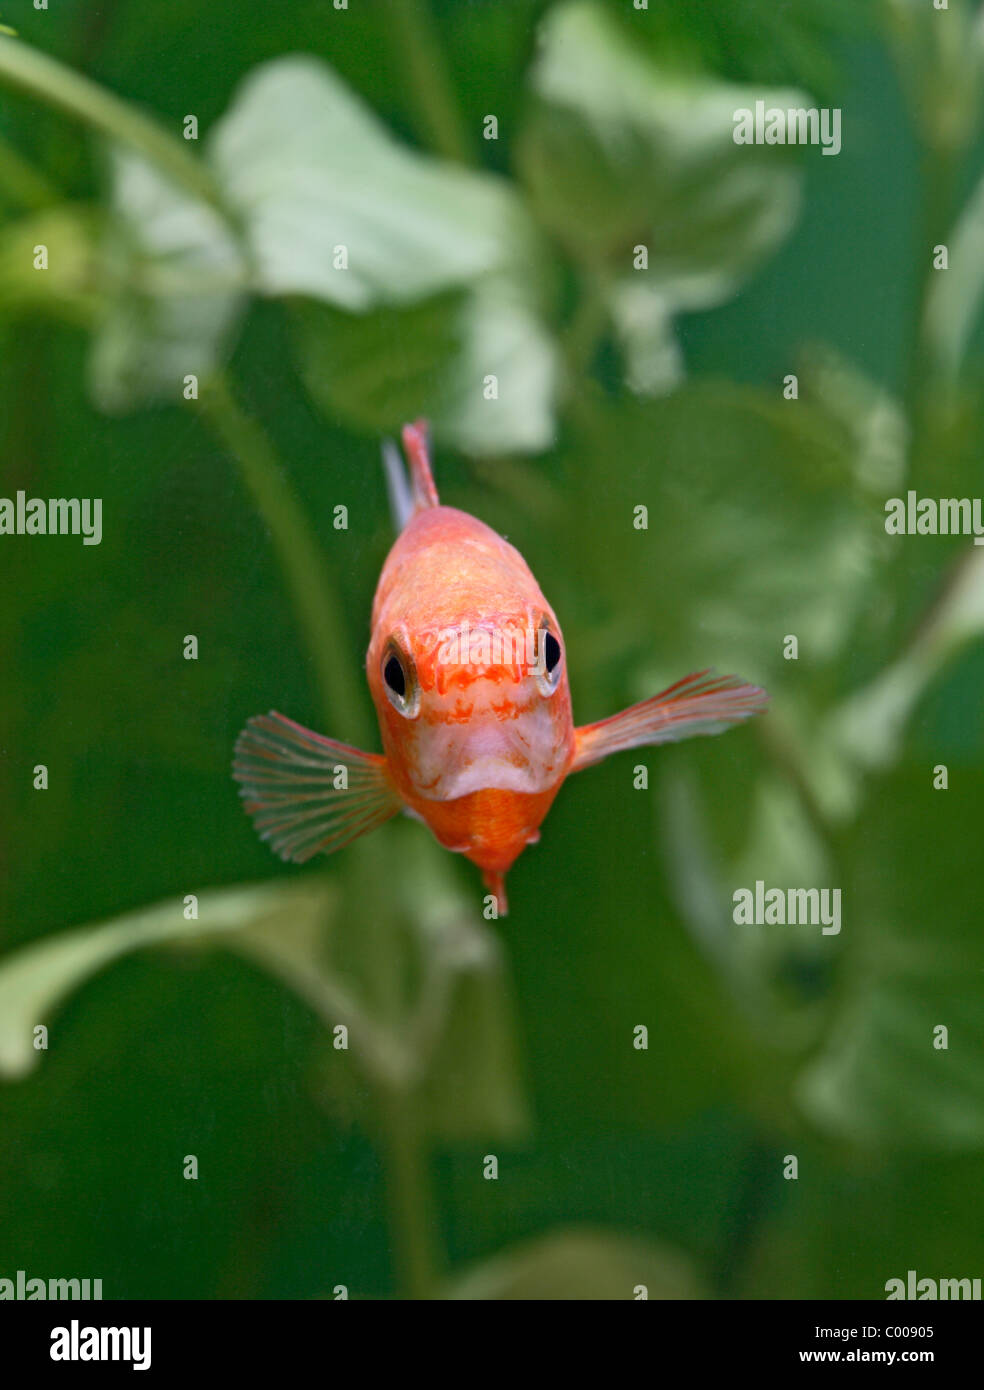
(400, 681)
(551, 651)
(394, 677)
(551, 656)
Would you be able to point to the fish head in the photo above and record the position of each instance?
(475, 712)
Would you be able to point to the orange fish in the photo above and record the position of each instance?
(467, 672)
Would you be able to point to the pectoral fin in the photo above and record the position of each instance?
(308, 794)
(700, 704)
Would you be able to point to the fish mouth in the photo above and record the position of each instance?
(491, 774)
(494, 759)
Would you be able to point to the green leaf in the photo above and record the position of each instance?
(869, 726)
(433, 272)
(619, 152)
(35, 980)
(472, 1085)
(880, 1081)
(416, 281)
(756, 41)
(379, 369)
(914, 961)
(755, 497)
(310, 169)
(459, 1025)
(68, 286)
(643, 326)
(940, 57)
(175, 282)
(581, 1264)
(954, 298)
(771, 972)
(451, 1045)
(874, 425)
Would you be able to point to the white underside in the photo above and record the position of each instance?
(456, 760)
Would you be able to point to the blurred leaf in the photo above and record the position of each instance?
(755, 41)
(773, 974)
(880, 1081)
(69, 285)
(954, 297)
(913, 961)
(454, 1042)
(580, 1264)
(460, 1025)
(35, 980)
(471, 1081)
(644, 330)
(311, 168)
(175, 284)
(619, 152)
(755, 496)
(382, 368)
(442, 278)
(448, 1040)
(869, 726)
(940, 55)
(874, 423)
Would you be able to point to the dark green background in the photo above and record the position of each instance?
(197, 1052)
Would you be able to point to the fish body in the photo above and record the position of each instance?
(467, 671)
(486, 751)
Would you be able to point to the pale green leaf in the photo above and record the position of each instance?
(581, 1263)
(311, 168)
(643, 323)
(620, 153)
(869, 726)
(881, 1079)
(175, 282)
(436, 358)
(954, 299)
(35, 980)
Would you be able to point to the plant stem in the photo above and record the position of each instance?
(312, 593)
(410, 1197)
(420, 53)
(41, 76)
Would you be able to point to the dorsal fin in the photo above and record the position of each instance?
(422, 479)
(409, 496)
(397, 485)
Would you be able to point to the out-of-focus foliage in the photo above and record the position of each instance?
(352, 253)
(618, 150)
(380, 244)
